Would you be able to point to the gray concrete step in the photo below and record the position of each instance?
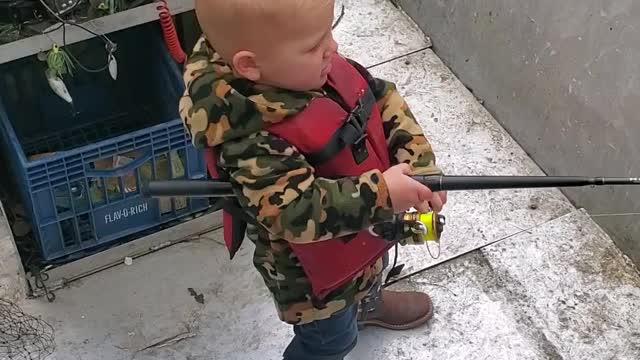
(467, 140)
(560, 291)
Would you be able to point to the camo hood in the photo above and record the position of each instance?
(218, 106)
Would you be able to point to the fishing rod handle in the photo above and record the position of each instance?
(188, 188)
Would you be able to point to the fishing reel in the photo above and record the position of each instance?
(421, 228)
(425, 226)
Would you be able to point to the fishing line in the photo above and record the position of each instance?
(390, 282)
(436, 183)
(417, 272)
(101, 36)
(614, 215)
(110, 46)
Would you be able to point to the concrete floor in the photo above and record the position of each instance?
(555, 287)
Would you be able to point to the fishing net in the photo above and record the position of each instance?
(23, 336)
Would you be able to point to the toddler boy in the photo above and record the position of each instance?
(264, 84)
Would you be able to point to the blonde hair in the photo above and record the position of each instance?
(233, 25)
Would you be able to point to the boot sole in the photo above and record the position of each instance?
(412, 325)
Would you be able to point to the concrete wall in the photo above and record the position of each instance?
(563, 77)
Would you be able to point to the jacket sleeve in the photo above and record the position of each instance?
(277, 186)
(405, 138)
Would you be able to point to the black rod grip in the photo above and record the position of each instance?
(188, 188)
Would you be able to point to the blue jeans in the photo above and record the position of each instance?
(335, 337)
(330, 339)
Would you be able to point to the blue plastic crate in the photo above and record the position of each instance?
(79, 169)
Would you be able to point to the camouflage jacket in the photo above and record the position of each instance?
(276, 185)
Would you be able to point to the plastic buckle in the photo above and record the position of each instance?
(355, 117)
(358, 147)
(359, 150)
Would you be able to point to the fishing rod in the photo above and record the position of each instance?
(436, 183)
(424, 227)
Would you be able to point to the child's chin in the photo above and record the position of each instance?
(314, 86)
(323, 80)
(311, 85)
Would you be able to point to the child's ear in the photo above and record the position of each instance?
(244, 64)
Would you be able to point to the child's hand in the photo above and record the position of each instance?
(405, 192)
(436, 204)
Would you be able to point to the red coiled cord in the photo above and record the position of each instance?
(170, 34)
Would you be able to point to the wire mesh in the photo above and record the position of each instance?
(22, 336)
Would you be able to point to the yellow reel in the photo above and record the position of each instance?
(426, 226)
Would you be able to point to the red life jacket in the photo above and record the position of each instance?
(340, 136)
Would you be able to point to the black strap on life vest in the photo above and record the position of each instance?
(353, 130)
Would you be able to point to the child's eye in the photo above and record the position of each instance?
(320, 43)
(315, 48)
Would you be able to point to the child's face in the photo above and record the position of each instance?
(294, 52)
(302, 59)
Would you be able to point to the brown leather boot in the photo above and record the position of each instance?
(399, 311)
